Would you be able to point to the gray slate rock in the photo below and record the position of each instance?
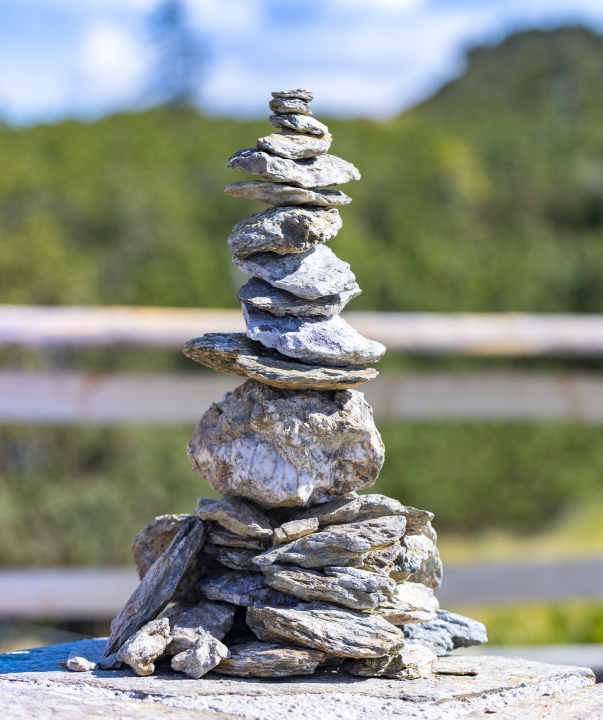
(354, 509)
(234, 558)
(411, 662)
(313, 172)
(336, 545)
(219, 536)
(300, 93)
(279, 194)
(415, 550)
(382, 561)
(244, 589)
(235, 514)
(295, 146)
(328, 628)
(299, 123)
(258, 659)
(77, 663)
(189, 624)
(287, 106)
(312, 274)
(447, 632)
(154, 539)
(287, 447)
(411, 603)
(219, 351)
(144, 647)
(350, 587)
(293, 530)
(284, 230)
(431, 572)
(203, 656)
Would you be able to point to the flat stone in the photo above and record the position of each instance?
(258, 659)
(235, 558)
(286, 106)
(350, 587)
(295, 146)
(189, 624)
(235, 514)
(264, 296)
(299, 123)
(320, 171)
(447, 631)
(411, 603)
(460, 666)
(311, 274)
(328, 628)
(293, 530)
(144, 647)
(337, 545)
(154, 539)
(244, 589)
(219, 536)
(300, 93)
(284, 230)
(203, 656)
(411, 662)
(287, 447)
(278, 194)
(382, 561)
(415, 550)
(220, 351)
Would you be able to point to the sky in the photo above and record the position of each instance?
(362, 58)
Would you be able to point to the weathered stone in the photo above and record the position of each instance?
(456, 665)
(284, 230)
(235, 514)
(350, 587)
(203, 656)
(264, 296)
(320, 171)
(299, 123)
(411, 662)
(299, 93)
(354, 509)
(189, 624)
(446, 632)
(287, 106)
(219, 351)
(110, 662)
(293, 530)
(331, 629)
(219, 536)
(77, 663)
(431, 572)
(295, 146)
(243, 588)
(235, 558)
(411, 603)
(415, 550)
(311, 274)
(337, 545)
(279, 194)
(144, 647)
(258, 659)
(287, 447)
(381, 561)
(159, 585)
(154, 539)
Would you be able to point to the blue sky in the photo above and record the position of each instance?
(363, 58)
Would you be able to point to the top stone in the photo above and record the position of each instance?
(299, 94)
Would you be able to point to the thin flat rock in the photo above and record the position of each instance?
(219, 536)
(299, 93)
(287, 106)
(244, 589)
(235, 558)
(411, 603)
(278, 194)
(447, 631)
(313, 172)
(258, 659)
(295, 146)
(411, 662)
(219, 351)
(153, 539)
(235, 514)
(299, 123)
(293, 530)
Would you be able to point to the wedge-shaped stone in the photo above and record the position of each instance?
(336, 545)
(328, 628)
(258, 659)
(284, 230)
(243, 588)
(77, 663)
(219, 536)
(144, 647)
(350, 587)
(264, 296)
(235, 514)
(285, 106)
(293, 530)
(287, 447)
(320, 171)
(278, 194)
(235, 558)
(411, 603)
(203, 656)
(295, 146)
(411, 662)
(446, 632)
(219, 351)
(299, 123)
(415, 550)
(189, 624)
(154, 539)
(300, 93)
(311, 274)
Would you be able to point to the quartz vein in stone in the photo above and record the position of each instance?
(279, 194)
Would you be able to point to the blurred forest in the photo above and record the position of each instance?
(486, 198)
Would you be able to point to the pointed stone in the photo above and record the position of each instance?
(293, 530)
(295, 146)
(258, 659)
(203, 656)
(411, 603)
(279, 194)
(287, 106)
(144, 647)
(447, 632)
(189, 624)
(411, 662)
(300, 93)
(237, 515)
(244, 589)
(299, 123)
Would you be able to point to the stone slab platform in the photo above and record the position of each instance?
(33, 685)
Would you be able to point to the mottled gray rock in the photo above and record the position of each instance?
(293, 530)
(312, 274)
(431, 572)
(331, 629)
(264, 296)
(77, 663)
(235, 514)
(203, 656)
(189, 624)
(219, 536)
(243, 588)
(411, 662)
(294, 146)
(219, 351)
(363, 507)
(286, 106)
(446, 632)
(337, 545)
(415, 550)
(299, 123)
(279, 194)
(411, 603)
(381, 561)
(266, 328)
(299, 93)
(235, 558)
(258, 659)
(350, 587)
(287, 447)
(320, 171)
(154, 539)
(144, 647)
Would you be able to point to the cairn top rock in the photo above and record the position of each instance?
(299, 93)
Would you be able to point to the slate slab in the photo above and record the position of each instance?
(280, 194)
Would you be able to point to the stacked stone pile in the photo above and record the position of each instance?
(291, 570)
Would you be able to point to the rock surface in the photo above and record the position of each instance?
(299, 123)
(300, 93)
(77, 663)
(198, 660)
(415, 550)
(278, 194)
(446, 632)
(287, 447)
(293, 146)
(189, 624)
(219, 351)
(258, 659)
(219, 536)
(355, 509)
(293, 530)
(244, 589)
(145, 646)
(235, 558)
(154, 539)
(431, 572)
(236, 515)
(286, 106)
(411, 603)
(411, 662)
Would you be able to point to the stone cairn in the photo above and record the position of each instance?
(291, 570)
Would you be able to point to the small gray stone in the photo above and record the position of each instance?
(416, 549)
(284, 230)
(235, 514)
(232, 557)
(258, 659)
(293, 530)
(411, 603)
(328, 628)
(300, 93)
(295, 146)
(311, 274)
(145, 646)
(299, 123)
(355, 509)
(77, 663)
(446, 632)
(287, 106)
(203, 656)
(279, 194)
(244, 589)
(411, 662)
(219, 536)
(320, 171)
(188, 624)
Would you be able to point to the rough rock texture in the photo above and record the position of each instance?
(153, 539)
(285, 106)
(293, 530)
(284, 230)
(278, 194)
(312, 274)
(329, 628)
(244, 589)
(411, 603)
(235, 558)
(258, 659)
(219, 536)
(320, 171)
(299, 123)
(264, 296)
(294, 146)
(411, 662)
(337, 545)
(350, 587)
(189, 624)
(287, 447)
(381, 561)
(76, 663)
(415, 551)
(355, 509)
(431, 572)
(236, 515)
(145, 646)
(205, 654)
(446, 632)
(219, 351)
(300, 93)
